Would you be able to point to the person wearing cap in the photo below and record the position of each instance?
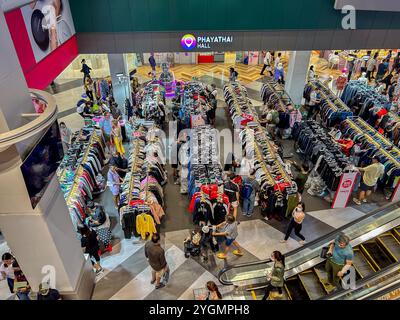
(370, 177)
(47, 293)
(340, 255)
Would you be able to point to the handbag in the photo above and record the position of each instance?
(324, 253)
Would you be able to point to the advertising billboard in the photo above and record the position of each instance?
(49, 24)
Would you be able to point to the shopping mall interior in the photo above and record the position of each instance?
(147, 159)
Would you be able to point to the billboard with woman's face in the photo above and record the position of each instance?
(49, 24)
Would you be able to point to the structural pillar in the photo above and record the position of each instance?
(120, 78)
(297, 74)
(43, 238)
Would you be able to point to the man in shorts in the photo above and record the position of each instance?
(370, 177)
(156, 257)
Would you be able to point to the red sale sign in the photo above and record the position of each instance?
(344, 191)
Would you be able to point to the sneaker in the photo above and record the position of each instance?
(99, 270)
(356, 201)
(244, 214)
(283, 241)
(365, 200)
(266, 218)
(166, 276)
(302, 242)
(221, 255)
(237, 253)
(249, 215)
(161, 285)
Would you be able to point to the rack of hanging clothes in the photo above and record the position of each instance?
(203, 165)
(273, 94)
(277, 186)
(79, 172)
(142, 196)
(194, 105)
(150, 102)
(375, 145)
(389, 126)
(209, 203)
(316, 147)
(370, 105)
(332, 109)
(102, 88)
(278, 191)
(240, 107)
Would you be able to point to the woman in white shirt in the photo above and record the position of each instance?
(267, 64)
(295, 223)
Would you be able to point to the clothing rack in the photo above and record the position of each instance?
(283, 98)
(356, 126)
(239, 104)
(135, 151)
(79, 171)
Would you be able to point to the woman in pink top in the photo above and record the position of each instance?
(295, 223)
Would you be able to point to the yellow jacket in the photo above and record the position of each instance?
(145, 224)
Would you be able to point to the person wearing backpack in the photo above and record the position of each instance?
(233, 74)
(249, 190)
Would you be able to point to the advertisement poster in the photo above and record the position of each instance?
(49, 24)
(344, 191)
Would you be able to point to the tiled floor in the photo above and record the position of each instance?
(127, 274)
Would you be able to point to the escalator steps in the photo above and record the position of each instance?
(377, 254)
(361, 264)
(296, 289)
(392, 244)
(312, 285)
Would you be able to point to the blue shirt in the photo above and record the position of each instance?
(106, 125)
(341, 255)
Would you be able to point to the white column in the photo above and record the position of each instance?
(122, 90)
(42, 239)
(297, 74)
(15, 98)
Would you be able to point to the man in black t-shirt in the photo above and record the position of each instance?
(231, 189)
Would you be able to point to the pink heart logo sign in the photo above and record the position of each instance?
(188, 42)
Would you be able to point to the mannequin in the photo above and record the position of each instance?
(363, 78)
(341, 82)
(333, 59)
(328, 83)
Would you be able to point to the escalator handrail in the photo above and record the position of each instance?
(361, 283)
(393, 287)
(309, 244)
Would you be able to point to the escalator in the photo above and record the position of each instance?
(375, 239)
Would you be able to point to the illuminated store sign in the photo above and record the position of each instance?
(189, 41)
